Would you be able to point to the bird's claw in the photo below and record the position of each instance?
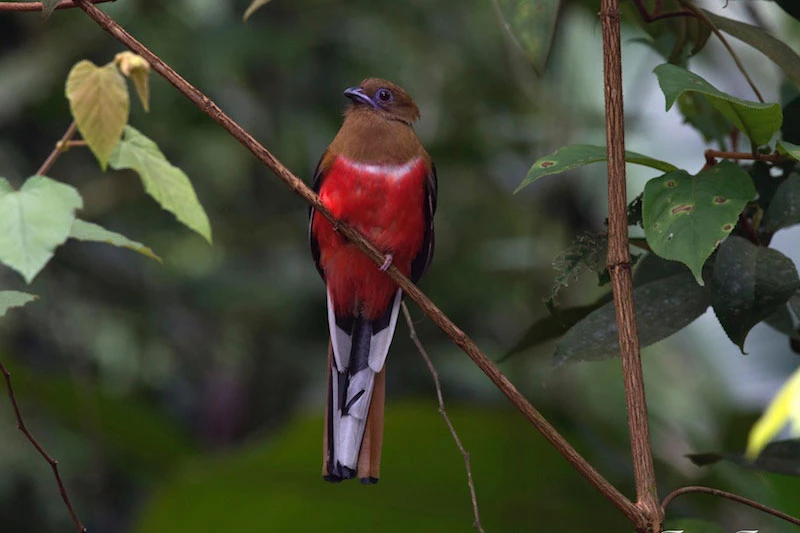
(386, 263)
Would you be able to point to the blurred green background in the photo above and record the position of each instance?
(189, 396)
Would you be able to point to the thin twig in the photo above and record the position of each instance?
(697, 12)
(713, 155)
(440, 319)
(733, 497)
(37, 6)
(619, 267)
(657, 13)
(47, 457)
(60, 147)
(442, 411)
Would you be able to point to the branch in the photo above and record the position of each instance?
(37, 6)
(52, 462)
(464, 453)
(713, 155)
(440, 319)
(697, 12)
(60, 147)
(619, 267)
(733, 497)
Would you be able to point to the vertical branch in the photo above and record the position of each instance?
(619, 267)
(47, 457)
(412, 331)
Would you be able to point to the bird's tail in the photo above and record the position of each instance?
(353, 424)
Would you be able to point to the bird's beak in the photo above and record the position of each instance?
(357, 95)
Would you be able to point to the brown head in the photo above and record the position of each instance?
(384, 98)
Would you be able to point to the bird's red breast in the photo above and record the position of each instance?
(385, 202)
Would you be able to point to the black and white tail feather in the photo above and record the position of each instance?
(360, 347)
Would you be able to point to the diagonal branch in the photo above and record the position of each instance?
(205, 104)
(464, 453)
(47, 457)
(37, 6)
(619, 267)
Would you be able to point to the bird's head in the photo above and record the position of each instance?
(385, 98)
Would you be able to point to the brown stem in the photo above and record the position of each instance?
(464, 453)
(619, 267)
(733, 497)
(699, 13)
(37, 6)
(713, 155)
(52, 462)
(440, 319)
(60, 147)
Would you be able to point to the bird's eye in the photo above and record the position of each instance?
(384, 95)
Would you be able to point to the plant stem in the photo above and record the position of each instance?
(412, 332)
(47, 457)
(733, 497)
(713, 155)
(37, 6)
(60, 147)
(207, 106)
(619, 267)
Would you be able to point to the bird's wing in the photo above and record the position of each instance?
(315, 186)
(420, 263)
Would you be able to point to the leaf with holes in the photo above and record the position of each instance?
(33, 221)
(749, 284)
(779, 52)
(531, 25)
(663, 307)
(784, 209)
(756, 120)
(167, 184)
(783, 409)
(578, 155)
(86, 231)
(98, 99)
(686, 217)
(9, 299)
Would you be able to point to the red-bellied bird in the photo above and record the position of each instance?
(377, 177)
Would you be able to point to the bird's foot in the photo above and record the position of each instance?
(386, 263)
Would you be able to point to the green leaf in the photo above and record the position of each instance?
(87, 231)
(749, 284)
(578, 155)
(775, 49)
(700, 114)
(167, 184)
(784, 209)
(48, 6)
(784, 409)
(663, 307)
(686, 217)
(253, 7)
(98, 99)
(781, 457)
(531, 25)
(9, 299)
(786, 318)
(34, 221)
(756, 120)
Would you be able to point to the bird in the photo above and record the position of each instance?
(377, 177)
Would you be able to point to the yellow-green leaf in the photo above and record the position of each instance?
(254, 5)
(33, 221)
(99, 101)
(87, 231)
(9, 299)
(785, 408)
(137, 69)
(167, 184)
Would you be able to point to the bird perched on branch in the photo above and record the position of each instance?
(377, 177)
